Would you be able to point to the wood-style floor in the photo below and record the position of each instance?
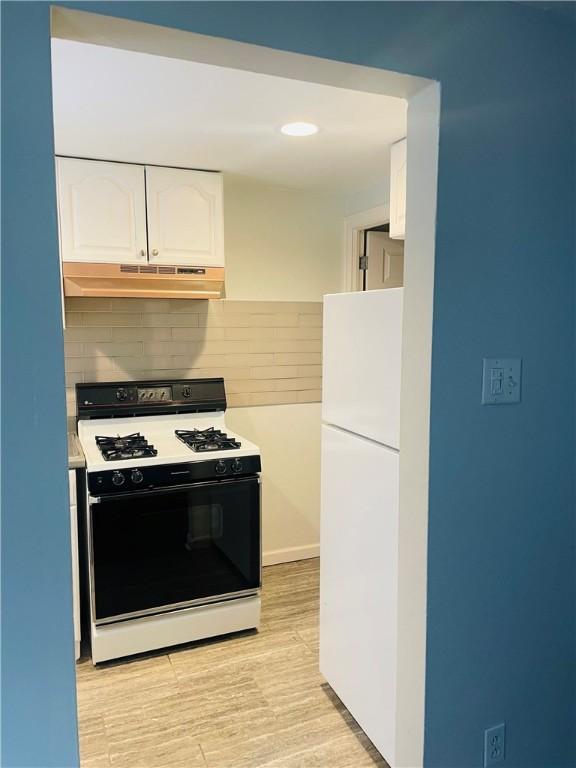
(246, 701)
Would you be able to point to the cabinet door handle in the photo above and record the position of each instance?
(142, 253)
(155, 252)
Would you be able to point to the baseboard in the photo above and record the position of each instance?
(289, 554)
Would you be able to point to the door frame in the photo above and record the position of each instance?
(354, 226)
(423, 124)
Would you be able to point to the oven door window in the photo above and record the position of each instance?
(164, 548)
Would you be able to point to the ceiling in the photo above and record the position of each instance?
(120, 105)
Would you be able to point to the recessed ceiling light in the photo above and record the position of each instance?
(299, 129)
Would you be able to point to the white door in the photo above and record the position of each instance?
(384, 261)
(398, 190)
(101, 211)
(185, 217)
(362, 350)
(358, 580)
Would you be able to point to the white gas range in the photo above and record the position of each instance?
(173, 528)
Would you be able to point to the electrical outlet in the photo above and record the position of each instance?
(494, 745)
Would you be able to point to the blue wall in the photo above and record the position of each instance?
(38, 685)
(501, 632)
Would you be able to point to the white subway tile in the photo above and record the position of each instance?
(309, 370)
(141, 305)
(275, 372)
(299, 333)
(74, 378)
(310, 396)
(236, 386)
(250, 360)
(72, 349)
(141, 334)
(113, 349)
(87, 334)
(224, 321)
(284, 345)
(198, 334)
(87, 364)
(73, 319)
(194, 306)
(276, 320)
(268, 352)
(170, 320)
(139, 363)
(111, 319)
(198, 360)
(299, 383)
(298, 358)
(245, 333)
(314, 321)
(272, 398)
(86, 304)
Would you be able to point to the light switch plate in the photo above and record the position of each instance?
(501, 380)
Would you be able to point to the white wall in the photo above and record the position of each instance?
(281, 244)
(289, 438)
(370, 197)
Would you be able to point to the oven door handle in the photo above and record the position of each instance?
(175, 488)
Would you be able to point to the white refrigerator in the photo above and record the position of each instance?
(359, 506)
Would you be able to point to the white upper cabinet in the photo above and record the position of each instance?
(398, 190)
(119, 213)
(102, 211)
(185, 217)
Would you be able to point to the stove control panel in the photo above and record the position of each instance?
(157, 476)
(145, 398)
(154, 394)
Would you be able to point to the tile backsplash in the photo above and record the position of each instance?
(269, 353)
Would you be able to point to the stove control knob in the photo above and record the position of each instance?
(236, 466)
(186, 392)
(220, 467)
(121, 394)
(118, 478)
(136, 476)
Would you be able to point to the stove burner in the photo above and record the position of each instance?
(207, 439)
(129, 447)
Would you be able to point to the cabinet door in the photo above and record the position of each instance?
(398, 190)
(102, 211)
(185, 217)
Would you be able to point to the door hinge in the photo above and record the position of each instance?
(363, 262)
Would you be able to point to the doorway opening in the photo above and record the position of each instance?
(413, 269)
(382, 263)
(381, 260)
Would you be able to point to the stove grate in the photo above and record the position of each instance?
(210, 439)
(117, 448)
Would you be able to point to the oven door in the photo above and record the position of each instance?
(164, 549)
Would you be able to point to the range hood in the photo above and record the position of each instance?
(160, 281)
